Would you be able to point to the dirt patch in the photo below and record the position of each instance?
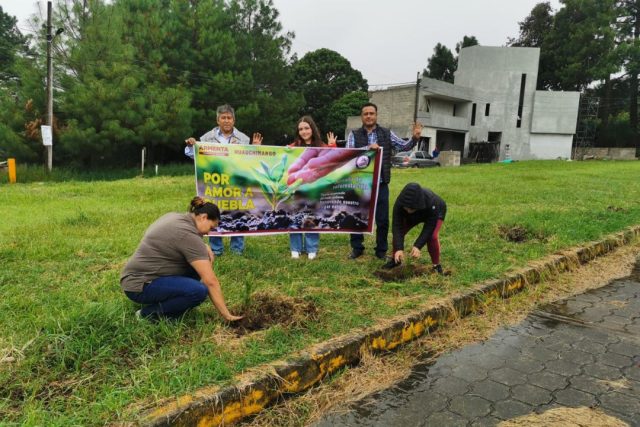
(406, 271)
(569, 417)
(616, 209)
(266, 310)
(402, 272)
(518, 233)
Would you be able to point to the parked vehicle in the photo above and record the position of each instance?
(413, 159)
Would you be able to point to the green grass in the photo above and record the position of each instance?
(39, 173)
(79, 357)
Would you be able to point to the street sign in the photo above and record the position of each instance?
(47, 138)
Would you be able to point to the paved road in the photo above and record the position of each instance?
(582, 351)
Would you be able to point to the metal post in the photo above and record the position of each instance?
(415, 107)
(11, 163)
(49, 86)
(144, 151)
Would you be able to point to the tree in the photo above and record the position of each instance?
(534, 30)
(534, 27)
(581, 43)
(263, 51)
(467, 41)
(628, 52)
(12, 43)
(115, 101)
(20, 82)
(441, 65)
(324, 76)
(149, 73)
(143, 73)
(348, 105)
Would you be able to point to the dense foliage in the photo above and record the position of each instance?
(442, 64)
(324, 76)
(591, 46)
(130, 74)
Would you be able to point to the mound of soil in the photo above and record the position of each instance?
(405, 271)
(519, 234)
(516, 233)
(266, 310)
(616, 209)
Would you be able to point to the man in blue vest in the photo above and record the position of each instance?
(372, 136)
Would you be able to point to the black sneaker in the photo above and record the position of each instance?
(355, 253)
(437, 268)
(391, 263)
(381, 255)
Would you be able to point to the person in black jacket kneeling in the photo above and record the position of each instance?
(416, 205)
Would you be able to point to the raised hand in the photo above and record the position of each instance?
(257, 139)
(190, 141)
(331, 140)
(417, 130)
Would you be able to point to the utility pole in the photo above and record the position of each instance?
(49, 86)
(415, 107)
(49, 120)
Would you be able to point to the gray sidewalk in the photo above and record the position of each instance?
(582, 351)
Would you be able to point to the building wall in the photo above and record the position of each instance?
(353, 122)
(395, 107)
(493, 76)
(555, 112)
(495, 73)
(614, 153)
(550, 146)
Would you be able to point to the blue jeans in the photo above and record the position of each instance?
(382, 224)
(237, 244)
(169, 296)
(304, 242)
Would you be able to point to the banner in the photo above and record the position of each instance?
(262, 189)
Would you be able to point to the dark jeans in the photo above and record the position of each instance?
(382, 224)
(169, 296)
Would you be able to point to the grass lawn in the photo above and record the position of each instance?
(72, 352)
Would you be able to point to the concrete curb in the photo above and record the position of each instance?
(215, 406)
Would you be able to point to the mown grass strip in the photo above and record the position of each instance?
(71, 351)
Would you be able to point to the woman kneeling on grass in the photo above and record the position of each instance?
(416, 205)
(171, 269)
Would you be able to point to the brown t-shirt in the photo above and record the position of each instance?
(167, 248)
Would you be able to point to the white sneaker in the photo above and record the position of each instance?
(295, 255)
(312, 255)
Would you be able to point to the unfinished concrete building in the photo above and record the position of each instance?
(492, 108)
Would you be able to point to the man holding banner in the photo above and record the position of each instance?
(372, 136)
(224, 133)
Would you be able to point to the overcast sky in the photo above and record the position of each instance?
(388, 41)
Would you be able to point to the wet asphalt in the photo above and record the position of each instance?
(581, 351)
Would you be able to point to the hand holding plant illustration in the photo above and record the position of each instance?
(315, 163)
